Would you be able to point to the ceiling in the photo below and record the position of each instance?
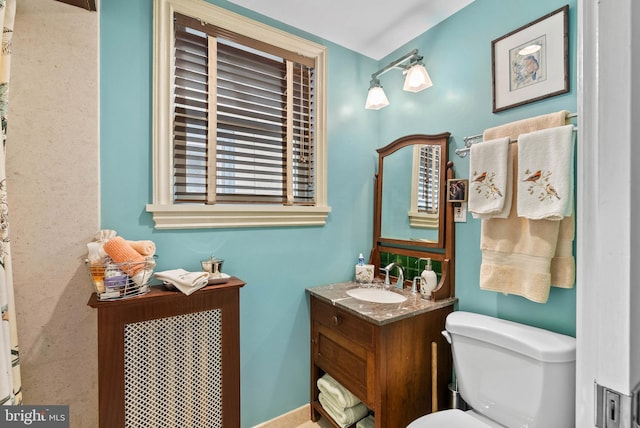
(372, 28)
(374, 31)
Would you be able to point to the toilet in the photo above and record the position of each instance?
(512, 375)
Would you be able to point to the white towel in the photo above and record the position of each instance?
(185, 281)
(341, 395)
(491, 170)
(368, 422)
(342, 416)
(545, 174)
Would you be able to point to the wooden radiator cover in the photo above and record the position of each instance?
(166, 359)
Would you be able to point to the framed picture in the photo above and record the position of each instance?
(457, 190)
(532, 62)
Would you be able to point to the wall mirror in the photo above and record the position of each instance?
(411, 215)
(411, 176)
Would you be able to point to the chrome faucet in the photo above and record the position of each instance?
(387, 269)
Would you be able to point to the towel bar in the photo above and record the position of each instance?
(473, 139)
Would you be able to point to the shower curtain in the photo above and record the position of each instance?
(10, 384)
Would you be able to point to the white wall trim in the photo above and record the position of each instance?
(585, 205)
(605, 238)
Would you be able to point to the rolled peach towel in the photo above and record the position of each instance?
(144, 248)
(121, 252)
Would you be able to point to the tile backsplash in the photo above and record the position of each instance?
(410, 264)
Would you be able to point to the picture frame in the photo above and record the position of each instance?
(457, 190)
(531, 63)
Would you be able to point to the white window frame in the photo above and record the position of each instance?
(168, 215)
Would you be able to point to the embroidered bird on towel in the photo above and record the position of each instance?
(485, 182)
(540, 181)
(481, 177)
(493, 189)
(551, 191)
(534, 177)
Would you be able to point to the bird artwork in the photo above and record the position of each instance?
(533, 177)
(494, 189)
(480, 177)
(551, 191)
(539, 181)
(484, 182)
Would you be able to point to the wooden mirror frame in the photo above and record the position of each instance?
(442, 251)
(440, 140)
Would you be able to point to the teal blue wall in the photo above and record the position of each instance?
(279, 263)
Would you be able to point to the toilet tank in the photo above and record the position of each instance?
(516, 375)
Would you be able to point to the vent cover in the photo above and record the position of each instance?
(173, 371)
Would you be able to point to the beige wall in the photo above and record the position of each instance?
(53, 184)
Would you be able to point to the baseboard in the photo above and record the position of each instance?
(290, 419)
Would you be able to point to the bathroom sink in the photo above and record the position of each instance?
(376, 295)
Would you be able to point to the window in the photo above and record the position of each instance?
(239, 122)
(425, 186)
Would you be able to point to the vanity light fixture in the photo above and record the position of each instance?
(416, 79)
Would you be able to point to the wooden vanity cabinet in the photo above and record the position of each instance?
(387, 366)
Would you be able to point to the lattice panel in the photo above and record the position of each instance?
(173, 371)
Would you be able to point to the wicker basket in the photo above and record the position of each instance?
(110, 281)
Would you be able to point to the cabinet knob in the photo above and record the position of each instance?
(337, 320)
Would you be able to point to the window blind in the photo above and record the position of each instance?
(429, 176)
(243, 120)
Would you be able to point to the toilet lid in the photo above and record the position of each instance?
(448, 419)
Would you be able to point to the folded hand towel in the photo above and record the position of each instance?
(368, 422)
(342, 416)
(491, 172)
(545, 173)
(145, 248)
(341, 395)
(187, 282)
(130, 261)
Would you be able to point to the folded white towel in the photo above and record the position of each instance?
(545, 174)
(491, 170)
(342, 416)
(341, 395)
(185, 281)
(368, 422)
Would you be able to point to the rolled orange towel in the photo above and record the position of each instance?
(121, 252)
(144, 248)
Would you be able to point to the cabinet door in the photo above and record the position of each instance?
(350, 364)
(343, 346)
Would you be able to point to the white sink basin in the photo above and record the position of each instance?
(376, 295)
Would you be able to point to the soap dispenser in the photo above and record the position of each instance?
(428, 280)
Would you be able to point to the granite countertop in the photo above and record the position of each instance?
(377, 313)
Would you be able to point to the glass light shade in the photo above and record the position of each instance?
(417, 79)
(529, 50)
(376, 99)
